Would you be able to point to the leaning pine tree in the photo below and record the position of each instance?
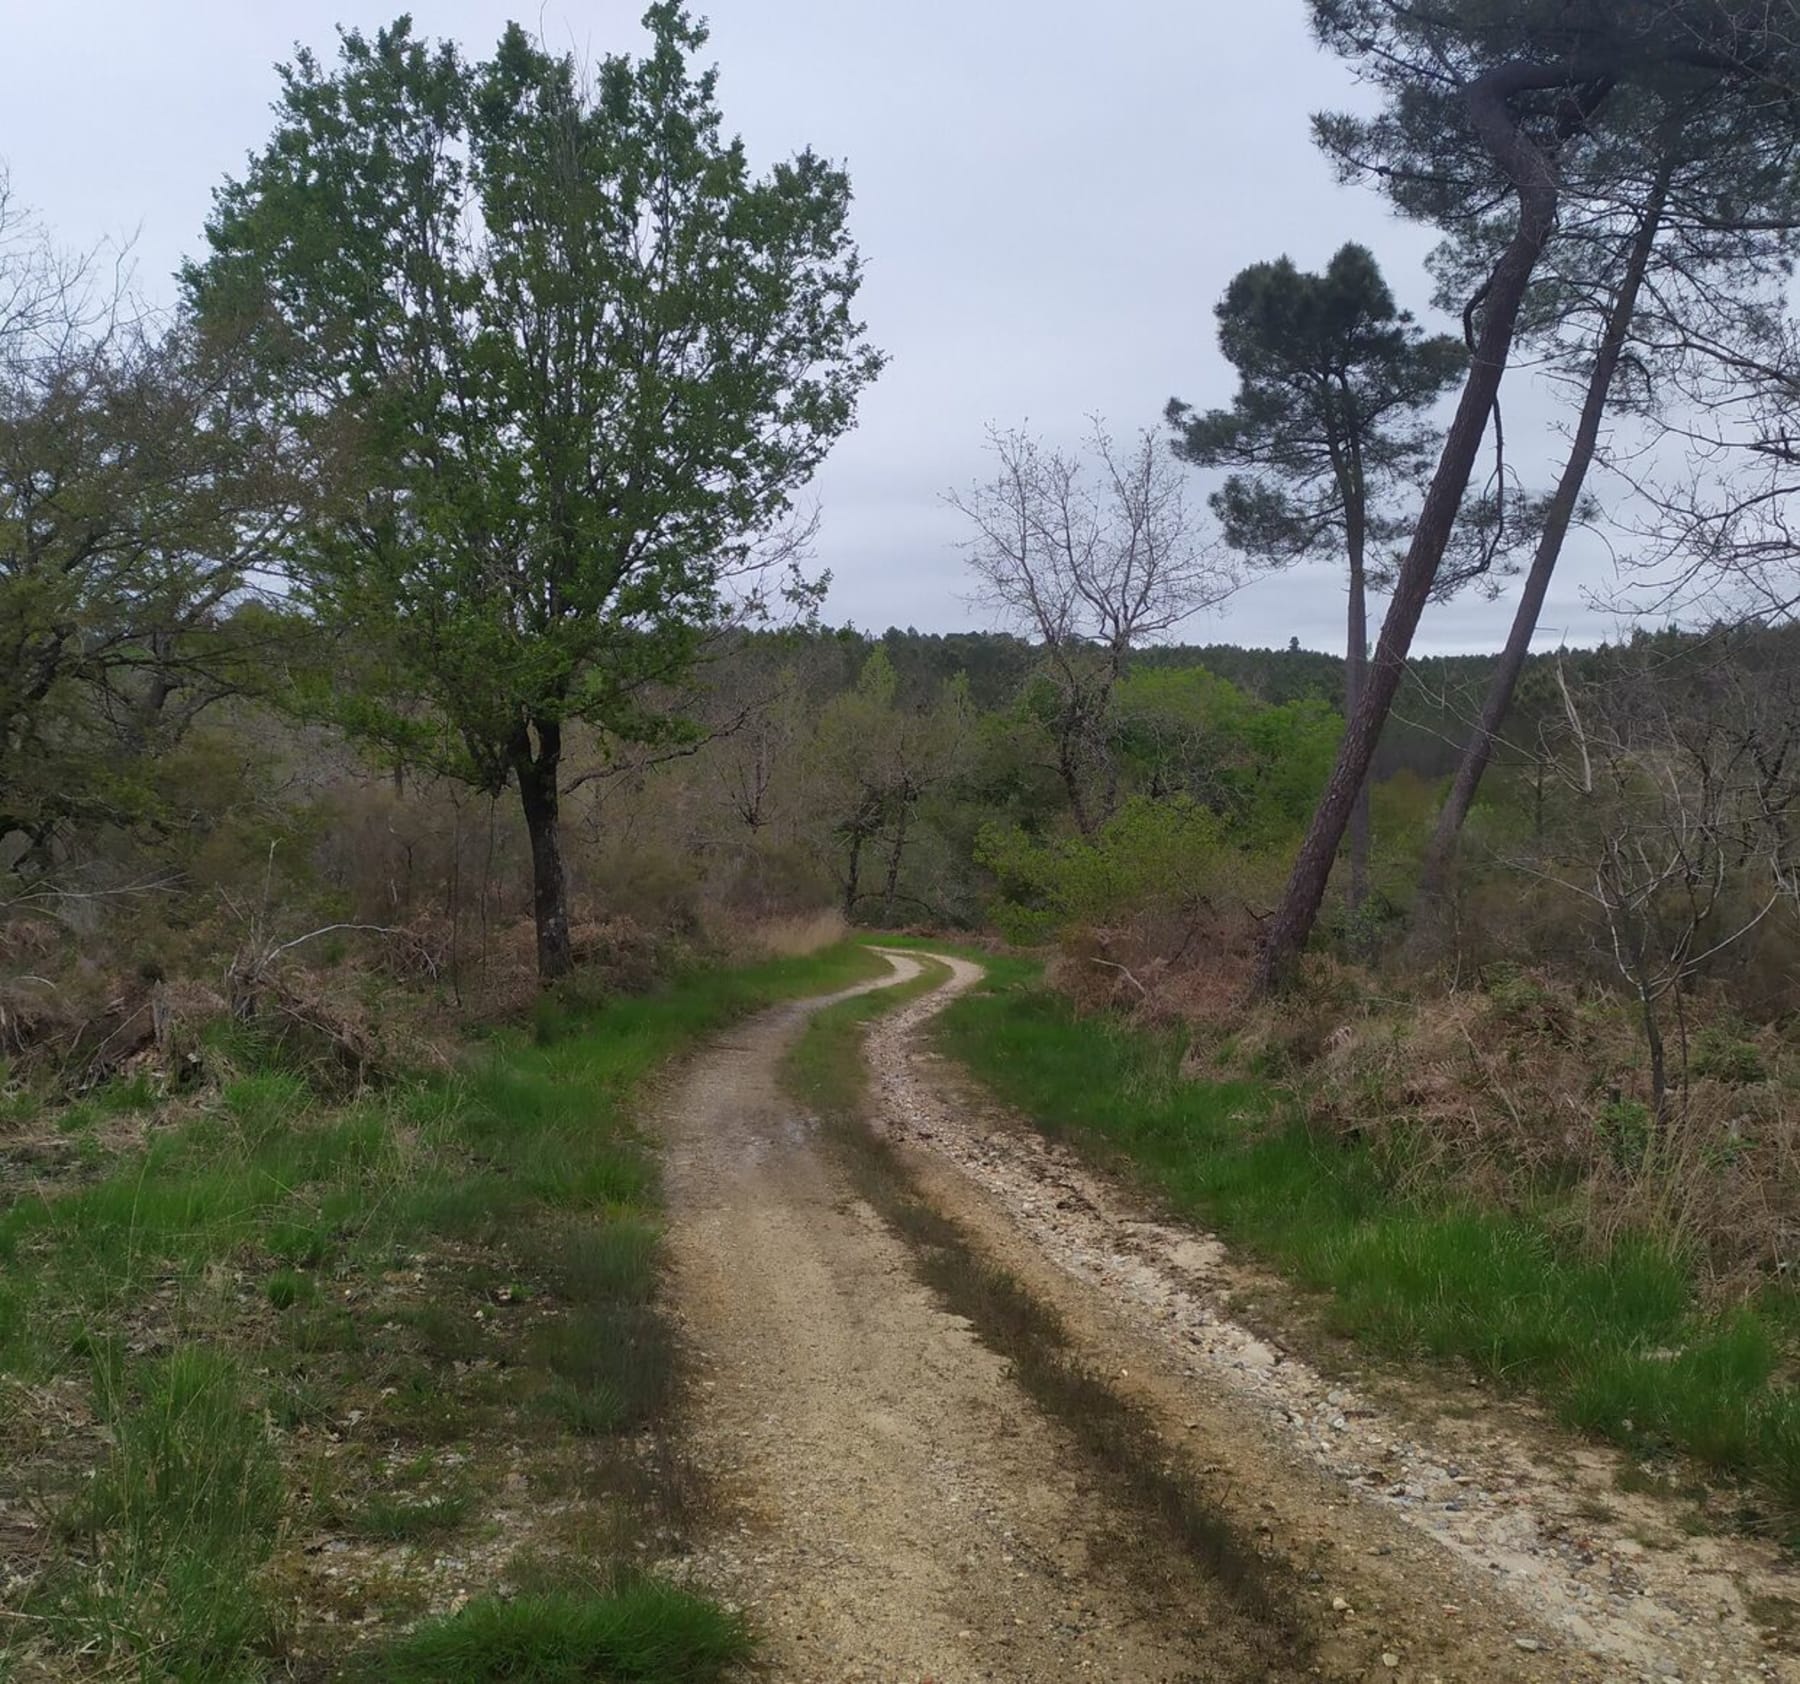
(1670, 271)
(1513, 93)
(559, 361)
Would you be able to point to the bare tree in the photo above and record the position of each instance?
(1092, 558)
(1677, 830)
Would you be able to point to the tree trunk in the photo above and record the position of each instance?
(1561, 513)
(895, 855)
(853, 876)
(1068, 766)
(1534, 177)
(1356, 663)
(1659, 1058)
(539, 796)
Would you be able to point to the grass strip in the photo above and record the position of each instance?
(647, 1633)
(1618, 1341)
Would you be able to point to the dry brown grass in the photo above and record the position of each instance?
(792, 936)
(1527, 1084)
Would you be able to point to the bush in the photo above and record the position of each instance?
(1724, 1053)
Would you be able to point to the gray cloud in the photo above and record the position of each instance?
(1051, 197)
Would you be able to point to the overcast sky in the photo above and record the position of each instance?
(1051, 197)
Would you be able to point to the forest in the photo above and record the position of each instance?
(417, 654)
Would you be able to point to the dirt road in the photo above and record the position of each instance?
(897, 1508)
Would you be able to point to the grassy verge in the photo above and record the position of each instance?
(1617, 1339)
(827, 1073)
(283, 1377)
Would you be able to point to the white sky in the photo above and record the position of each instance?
(1051, 198)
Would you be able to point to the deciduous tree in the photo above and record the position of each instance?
(563, 359)
(1090, 560)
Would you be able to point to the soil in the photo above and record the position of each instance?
(898, 1509)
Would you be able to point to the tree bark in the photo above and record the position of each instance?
(853, 873)
(1561, 513)
(1356, 662)
(541, 799)
(1533, 175)
(1068, 766)
(895, 856)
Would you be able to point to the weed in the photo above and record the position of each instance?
(608, 1261)
(613, 1366)
(288, 1287)
(180, 1518)
(1723, 1052)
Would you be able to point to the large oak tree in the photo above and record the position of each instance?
(561, 360)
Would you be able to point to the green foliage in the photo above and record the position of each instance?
(1627, 1127)
(181, 1517)
(1151, 854)
(1259, 766)
(488, 297)
(1222, 782)
(1725, 1053)
(132, 480)
(1328, 427)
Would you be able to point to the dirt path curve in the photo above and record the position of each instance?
(897, 1510)
(1461, 1539)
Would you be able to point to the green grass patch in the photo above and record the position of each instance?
(1618, 1341)
(176, 1523)
(403, 1519)
(647, 1633)
(824, 1069)
(363, 1267)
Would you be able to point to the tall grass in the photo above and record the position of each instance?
(178, 1518)
(1616, 1338)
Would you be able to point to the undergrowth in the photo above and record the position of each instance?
(1615, 1335)
(265, 1321)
